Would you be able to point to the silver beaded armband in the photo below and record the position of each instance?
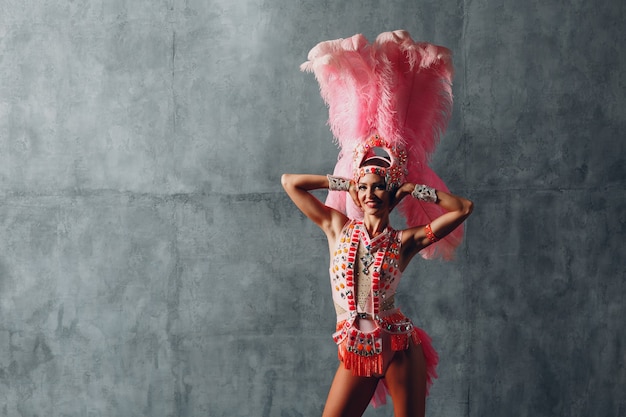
(424, 193)
(338, 183)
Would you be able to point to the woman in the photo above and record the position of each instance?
(404, 370)
(388, 102)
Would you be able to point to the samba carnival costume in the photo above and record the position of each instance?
(390, 100)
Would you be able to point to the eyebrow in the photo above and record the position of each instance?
(373, 184)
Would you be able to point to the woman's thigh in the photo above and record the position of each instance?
(349, 395)
(406, 382)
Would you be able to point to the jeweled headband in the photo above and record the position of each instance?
(394, 174)
(372, 169)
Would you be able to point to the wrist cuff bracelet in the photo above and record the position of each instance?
(338, 183)
(424, 193)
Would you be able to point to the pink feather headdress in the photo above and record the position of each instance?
(399, 92)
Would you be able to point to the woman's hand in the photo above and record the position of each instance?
(404, 190)
(354, 193)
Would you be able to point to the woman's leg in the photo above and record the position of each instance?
(406, 382)
(349, 395)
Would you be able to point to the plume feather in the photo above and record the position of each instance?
(399, 89)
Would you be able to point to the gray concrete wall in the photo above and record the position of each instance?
(150, 264)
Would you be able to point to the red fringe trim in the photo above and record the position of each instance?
(360, 365)
(370, 365)
(401, 341)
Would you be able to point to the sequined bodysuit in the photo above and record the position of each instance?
(364, 275)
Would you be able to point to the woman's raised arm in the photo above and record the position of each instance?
(457, 210)
(298, 186)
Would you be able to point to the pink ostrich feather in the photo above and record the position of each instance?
(348, 85)
(400, 89)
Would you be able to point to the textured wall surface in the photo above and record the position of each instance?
(151, 265)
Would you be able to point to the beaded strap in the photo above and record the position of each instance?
(429, 234)
(338, 183)
(424, 193)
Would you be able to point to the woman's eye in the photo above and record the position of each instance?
(362, 187)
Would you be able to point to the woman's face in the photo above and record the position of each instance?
(372, 193)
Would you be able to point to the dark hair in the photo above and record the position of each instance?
(392, 195)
